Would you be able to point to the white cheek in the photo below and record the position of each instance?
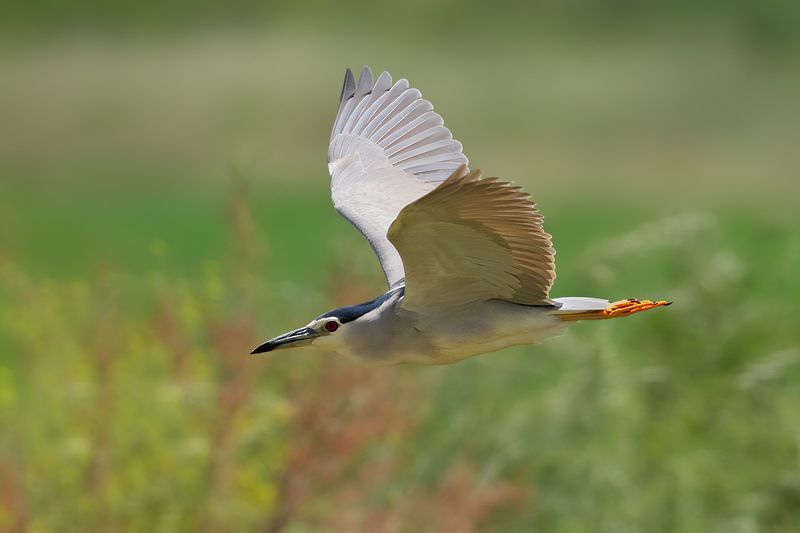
(326, 342)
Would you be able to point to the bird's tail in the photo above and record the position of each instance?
(597, 309)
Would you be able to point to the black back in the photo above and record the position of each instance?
(349, 313)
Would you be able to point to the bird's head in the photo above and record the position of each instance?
(328, 331)
(322, 326)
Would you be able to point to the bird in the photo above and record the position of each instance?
(467, 262)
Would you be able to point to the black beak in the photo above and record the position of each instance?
(293, 339)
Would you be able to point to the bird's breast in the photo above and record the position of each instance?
(490, 326)
(444, 337)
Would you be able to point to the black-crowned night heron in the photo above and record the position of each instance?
(467, 262)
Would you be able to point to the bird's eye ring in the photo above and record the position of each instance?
(331, 326)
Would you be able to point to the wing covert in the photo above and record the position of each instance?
(473, 239)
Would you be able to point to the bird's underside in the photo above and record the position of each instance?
(468, 264)
(390, 334)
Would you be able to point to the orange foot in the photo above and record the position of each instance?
(630, 307)
(617, 309)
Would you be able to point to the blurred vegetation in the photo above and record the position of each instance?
(134, 405)
(767, 23)
(164, 207)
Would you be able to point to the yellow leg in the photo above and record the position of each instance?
(621, 308)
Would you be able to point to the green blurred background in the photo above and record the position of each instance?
(164, 206)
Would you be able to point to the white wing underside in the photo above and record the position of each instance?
(388, 148)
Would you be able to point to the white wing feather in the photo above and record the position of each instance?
(388, 148)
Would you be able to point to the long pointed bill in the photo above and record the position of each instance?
(293, 339)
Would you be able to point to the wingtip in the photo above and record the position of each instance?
(349, 85)
(364, 85)
(366, 74)
(383, 83)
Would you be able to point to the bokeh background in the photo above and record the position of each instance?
(164, 207)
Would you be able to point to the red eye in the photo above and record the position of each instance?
(331, 326)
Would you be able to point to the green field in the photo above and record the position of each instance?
(164, 208)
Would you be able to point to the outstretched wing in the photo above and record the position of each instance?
(388, 148)
(473, 239)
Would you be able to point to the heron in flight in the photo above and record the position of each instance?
(468, 265)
